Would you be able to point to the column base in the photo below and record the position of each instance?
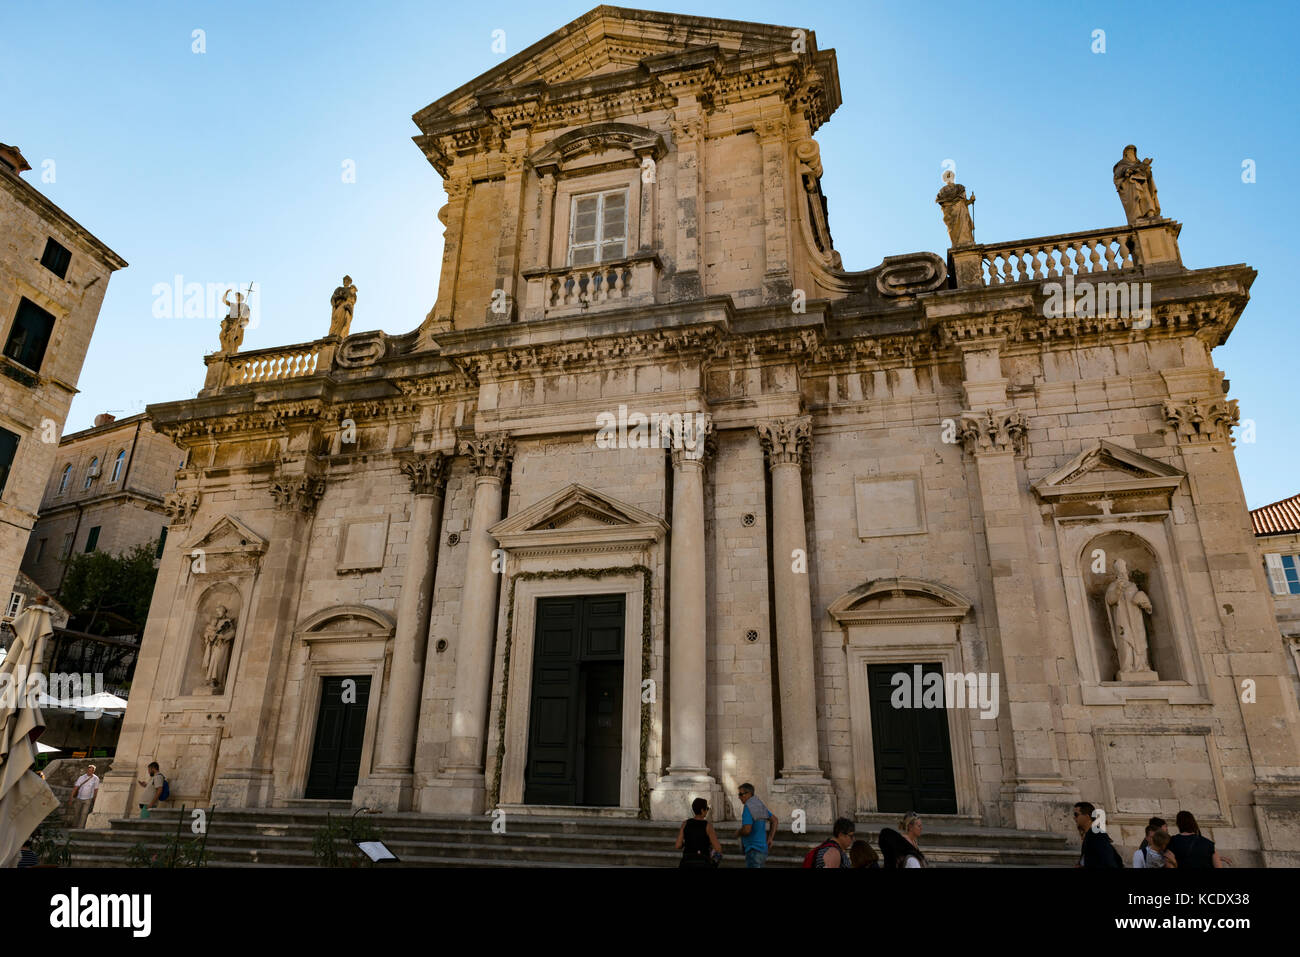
(671, 797)
(808, 792)
(1041, 804)
(455, 792)
(385, 790)
(113, 800)
(243, 788)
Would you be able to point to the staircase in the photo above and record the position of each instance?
(282, 837)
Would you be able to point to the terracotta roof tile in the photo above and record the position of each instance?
(1280, 518)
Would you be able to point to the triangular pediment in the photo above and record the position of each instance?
(609, 40)
(1108, 469)
(228, 534)
(572, 508)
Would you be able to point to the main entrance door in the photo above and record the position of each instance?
(340, 729)
(912, 752)
(575, 736)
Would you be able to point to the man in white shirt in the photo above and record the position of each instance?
(83, 795)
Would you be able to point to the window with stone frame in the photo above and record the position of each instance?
(63, 482)
(92, 540)
(15, 605)
(66, 549)
(56, 258)
(29, 335)
(8, 452)
(91, 472)
(117, 466)
(598, 227)
(1283, 574)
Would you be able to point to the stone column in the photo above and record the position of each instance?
(688, 773)
(994, 436)
(244, 764)
(546, 224)
(508, 253)
(391, 786)
(687, 124)
(774, 143)
(649, 179)
(801, 783)
(462, 773)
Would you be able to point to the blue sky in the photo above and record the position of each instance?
(227, 165)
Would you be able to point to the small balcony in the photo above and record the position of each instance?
(574, 290)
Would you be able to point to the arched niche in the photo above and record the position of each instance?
(1097, 572)
(220, 594)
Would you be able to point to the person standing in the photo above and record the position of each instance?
(911, 852)
(757, 827)
(156, 785)
(835, 852)
(1097, 850)
(1189, 848)
(83, 794)
(696, 839)
(1146, 855)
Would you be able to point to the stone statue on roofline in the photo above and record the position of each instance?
(1136, 187)
(956, 211)
(232, 326)
(342, 303)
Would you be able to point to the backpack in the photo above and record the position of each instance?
(810, 859)
(166, 790)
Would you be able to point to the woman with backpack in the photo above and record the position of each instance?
(696, 839)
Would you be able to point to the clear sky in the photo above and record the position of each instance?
(227, 166)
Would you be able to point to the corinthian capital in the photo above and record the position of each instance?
(180, 506)
(690, 438)
(427, 473)
(1198, 420)
(990, 431)
(297, 493)
(491, 454)
(786, 441)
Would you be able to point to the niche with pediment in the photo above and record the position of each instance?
(1107, 504)
(578, 520)
(213, 629)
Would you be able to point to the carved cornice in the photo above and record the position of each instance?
(298, 493)
(427, 473)
(993, 431)
(491, 454)
(264, 419)
(181, 506)
(1200, 420)
(786, 441)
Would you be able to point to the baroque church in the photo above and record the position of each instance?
(660, 498)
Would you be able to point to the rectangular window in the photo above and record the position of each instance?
(1292, 573)
(15, 605)
(56, 258)
(162, 543)
(29, 335)
(92, 539)
(598, 228)
(66, 550)
(8, 451)
(40, 549)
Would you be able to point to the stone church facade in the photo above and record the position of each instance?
(659, 498)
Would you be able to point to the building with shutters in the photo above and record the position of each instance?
(659, 498)
(53, 276)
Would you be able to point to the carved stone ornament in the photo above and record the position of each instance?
(1136, 187)
(363, 349)
(342, 303)
(218, 636)
(1125, 603)
(956, 211)
(181, 507)
(1200, 420)
(427, 473)
(786, 441)
(491, 454)
(990, 431)
(297, 493)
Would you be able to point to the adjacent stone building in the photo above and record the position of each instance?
(1277, 532)
(659, 498)
(105, 493)
(53, 276)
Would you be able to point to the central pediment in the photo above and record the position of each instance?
(577, 517)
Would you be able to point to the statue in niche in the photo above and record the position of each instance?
(956, 210)
(1136, 187)
(232, 327)
(342, 303)
(217, 639)
(1125, 603)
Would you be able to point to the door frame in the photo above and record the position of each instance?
(519, 697)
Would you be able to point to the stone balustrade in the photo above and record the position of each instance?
(570, 290)
(271, 365)
(1055, 257)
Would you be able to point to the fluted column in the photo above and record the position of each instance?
(801, 784)
(688, 773)
(463, 769)
(391, 786)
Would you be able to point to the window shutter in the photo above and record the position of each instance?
(1276, 574)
